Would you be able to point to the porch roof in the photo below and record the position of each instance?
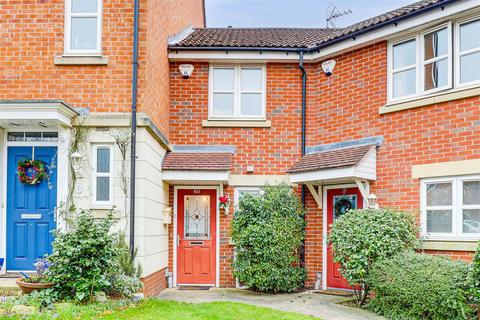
(35, 114)
(341, 164)
(196, 167)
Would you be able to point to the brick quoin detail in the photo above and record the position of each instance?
(341, 107)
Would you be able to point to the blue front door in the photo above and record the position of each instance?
(30, 209)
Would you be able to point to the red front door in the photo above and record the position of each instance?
(196, 231)
(339, 201)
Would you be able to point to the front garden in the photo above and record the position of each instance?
(91, 274)
(89, 265)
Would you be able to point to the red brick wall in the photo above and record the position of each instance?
(32, 34)
(342, 107)
(154, 283)
(348, 109)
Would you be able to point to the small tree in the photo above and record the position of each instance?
(83, 257)
(361, 237)
(268, 230)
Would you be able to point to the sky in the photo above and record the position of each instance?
(292, 13)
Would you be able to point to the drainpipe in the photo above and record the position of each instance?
(133, 141)
(304, 129)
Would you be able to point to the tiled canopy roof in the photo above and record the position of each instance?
(197, 161)
(336, 158)
(293, 38)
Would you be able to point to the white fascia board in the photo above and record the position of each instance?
(232, 56)
(429, 18)
(322, 175)
(212, 177)
(53, 111)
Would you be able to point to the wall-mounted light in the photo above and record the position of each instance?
(76, 159)
(328, 67)
(372, 201)
(186, 70)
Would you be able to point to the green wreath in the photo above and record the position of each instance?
(39, 174)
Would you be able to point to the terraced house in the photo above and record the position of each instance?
(385, 112)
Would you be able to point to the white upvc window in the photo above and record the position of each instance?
(436, 54)
(241, 191)
(450, 208)
(403, 66)
(237, 92)
(83, 26)
(467, 50)
(421, 64)
(102, 184)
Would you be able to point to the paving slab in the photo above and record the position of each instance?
(322, 306)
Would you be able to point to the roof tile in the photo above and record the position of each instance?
(197, 161)
(336, 158)
(291, 38)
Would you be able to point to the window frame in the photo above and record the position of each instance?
(454, 84)
(96, 203)
(238, 190)
(68, 29)
(458, 54)
(456, 207)
(391, 71)
(237, 92)
(421, 62)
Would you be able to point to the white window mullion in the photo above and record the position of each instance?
(238, 93)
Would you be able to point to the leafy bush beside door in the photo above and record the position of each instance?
(268, 230)
(361, 237)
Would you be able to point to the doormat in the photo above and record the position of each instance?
(191, 288)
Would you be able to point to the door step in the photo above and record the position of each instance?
(193, 288)
(11, 275)
(333, 292)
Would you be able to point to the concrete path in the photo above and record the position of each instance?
(318, 305)
(8, 282)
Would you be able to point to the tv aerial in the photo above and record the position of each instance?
(333, 13)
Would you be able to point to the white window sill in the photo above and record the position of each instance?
(453, 245)
(237, 123)
(438, 97)
(88, 60)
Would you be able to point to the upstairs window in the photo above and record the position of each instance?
(83, 24)
(237, 92)
(468, 52)
(442, 58)
(436, 59)
(404, 69)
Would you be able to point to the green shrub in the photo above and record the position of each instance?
(474, 278)
(127, 263)
(124, 286)
(83, 258)
(361, 237)
(268, 230)
(420, 286)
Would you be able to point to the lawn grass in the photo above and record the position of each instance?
(171, 310)
(164, 310)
